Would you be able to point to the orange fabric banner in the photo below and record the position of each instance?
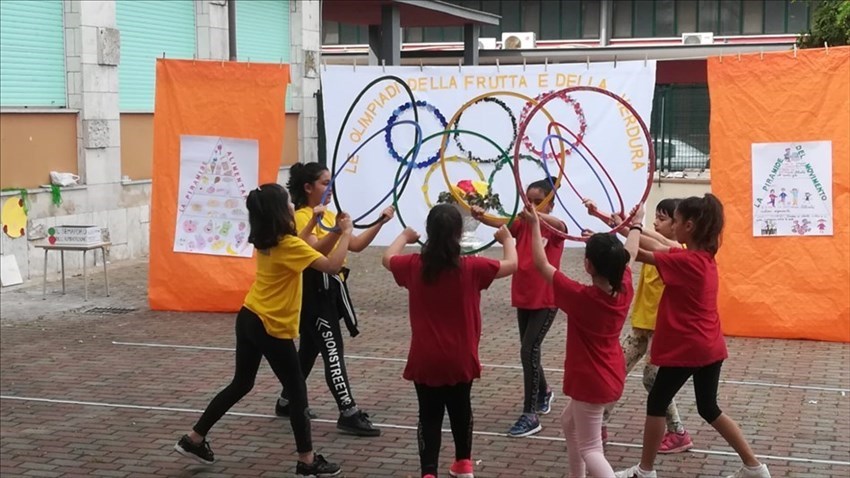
(781, 287)
(212, 99)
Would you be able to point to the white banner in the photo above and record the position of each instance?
(792, 189)
(604, 127)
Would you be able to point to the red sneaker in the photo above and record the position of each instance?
(461, 469)
(675, 443)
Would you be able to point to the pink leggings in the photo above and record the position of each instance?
(582, 422)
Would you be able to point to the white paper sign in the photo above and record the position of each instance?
(216, 175)
(792, 189)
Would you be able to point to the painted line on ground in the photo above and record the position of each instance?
(397, 427)
(513, 367)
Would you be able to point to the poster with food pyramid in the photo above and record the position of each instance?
(216, 175)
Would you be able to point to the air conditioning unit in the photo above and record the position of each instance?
(487, 44)
(518, 40)
(702, 38)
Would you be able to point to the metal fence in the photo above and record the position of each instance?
(679, 127)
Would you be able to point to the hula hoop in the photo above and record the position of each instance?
(579, 111)
(394, 116)
(469, 103)
(398, 192)
(510, 113)
(353, 154)
(592, 155)
(499, 167)
(345, 122)
(650, 164)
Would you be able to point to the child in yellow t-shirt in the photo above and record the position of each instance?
(268, 323)
(326, 301)
(636, 344)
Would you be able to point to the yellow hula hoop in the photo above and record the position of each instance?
(454, 159)
(452, 121)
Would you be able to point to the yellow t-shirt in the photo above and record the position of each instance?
(302, 217)
(647, 296)
(275, 295)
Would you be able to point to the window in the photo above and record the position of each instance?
(262, 31)
(774, 16)
(330, 33)
(642, 24)
(707, 16)
(730, 17)
(590, 15)
(686, 16)
(622, 15)
(149, 28)
(798, 17)
(665, 18)
(550, 20)
(32, 53)
(531, 16)
(753, 18)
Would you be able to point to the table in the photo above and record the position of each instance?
(84, 248)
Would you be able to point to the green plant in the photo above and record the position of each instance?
(830, 25)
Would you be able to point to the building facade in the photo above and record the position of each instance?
(76, 95)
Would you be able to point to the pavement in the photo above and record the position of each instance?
(108, 392)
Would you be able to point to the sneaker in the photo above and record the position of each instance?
(675, 443)
(635, 472)
(747, 472)
(201, 452)
(527, 425)
(358, 424)
(461, 469)
(604, 435)
(320, 467)
(281, 409)
(544, 406)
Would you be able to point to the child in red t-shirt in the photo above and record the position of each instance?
(535, 304)
(444, 293)
(688, 340)
(594, 370)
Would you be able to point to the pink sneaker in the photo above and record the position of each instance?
(461, 469)
(675, 443)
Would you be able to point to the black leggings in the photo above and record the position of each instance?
(324, 335)
(252, 344)
(533, 327)
(433, 402)
(670, 379)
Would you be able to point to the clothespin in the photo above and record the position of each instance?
(645, 59)
(546, 65)
(354, 64)
(523, 64)
(459, 64)
(739, 56)
(795, 50)
(421, 66)
(761, 53)
(588, 62)
(497, 64)
(615, 61)
(325, 63)
(384, 66)
(826, 46)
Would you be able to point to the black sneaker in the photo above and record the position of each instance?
(358, 424)
(201, 452)
(320, 467)
(282, 410)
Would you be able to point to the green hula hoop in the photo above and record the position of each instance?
(398, 192)
(499, 166)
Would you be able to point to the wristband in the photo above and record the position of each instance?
(636, 226)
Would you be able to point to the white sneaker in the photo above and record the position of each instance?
(746, 472)
(636, 472)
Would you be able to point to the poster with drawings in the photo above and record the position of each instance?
(792, 189)
(216, 175)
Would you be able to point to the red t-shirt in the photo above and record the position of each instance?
(445, 319)
(529, 290)
(687, 331)
(595, 369)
